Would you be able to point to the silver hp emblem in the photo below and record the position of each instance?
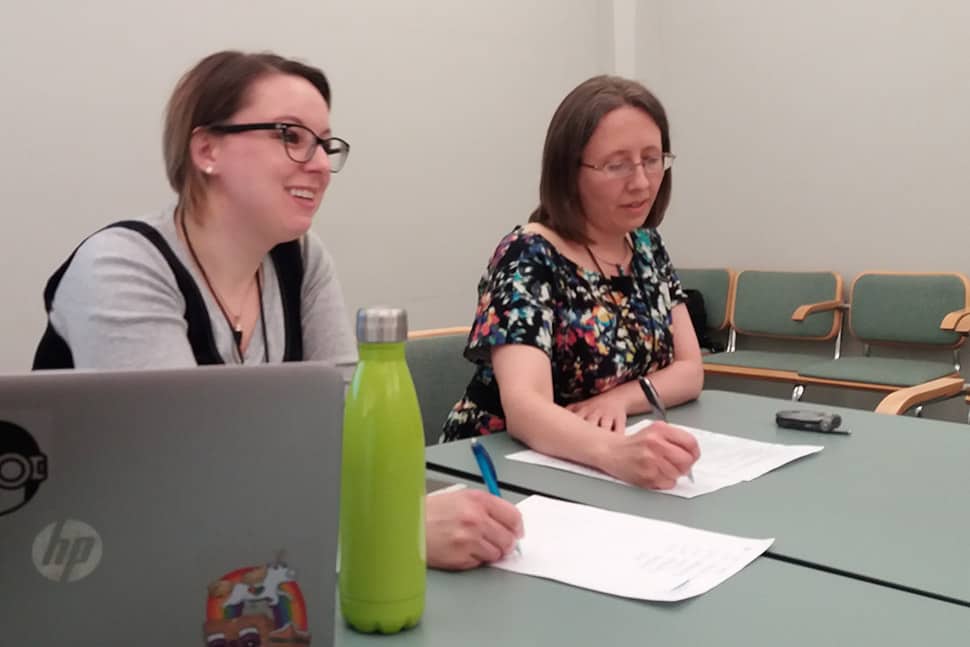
(67, 551)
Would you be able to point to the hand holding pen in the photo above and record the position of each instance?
(489, 476)
(660, 411)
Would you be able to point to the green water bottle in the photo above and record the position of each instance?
(382, 546)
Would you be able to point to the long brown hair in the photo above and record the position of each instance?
(571, 127)
(211, 92)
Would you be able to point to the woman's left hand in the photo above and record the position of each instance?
(605, 410)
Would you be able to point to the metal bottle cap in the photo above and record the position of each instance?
(382, 325)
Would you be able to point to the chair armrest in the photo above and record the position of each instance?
(901, 401)
(951, 320)
(822, 306)
(962, 326)
(438, 332)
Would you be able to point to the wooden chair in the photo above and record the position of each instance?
(762, 307)
(900, 310)
(944, 388)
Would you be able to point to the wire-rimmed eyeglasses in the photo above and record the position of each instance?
(621, 169)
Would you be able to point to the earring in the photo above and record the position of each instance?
(208, 170)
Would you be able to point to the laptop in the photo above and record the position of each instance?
(180, 507)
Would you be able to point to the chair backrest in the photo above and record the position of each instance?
(440, 373)
(895, 308)
(765, 301)
(717, 288)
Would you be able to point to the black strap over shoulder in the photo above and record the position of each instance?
(54, 353)
(200, 335)
(288, 260)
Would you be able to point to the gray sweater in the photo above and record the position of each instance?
(118, 305)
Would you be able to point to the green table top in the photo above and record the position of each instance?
(768, 603)
(888, 502)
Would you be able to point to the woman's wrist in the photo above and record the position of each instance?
(602, 452)
(635, 401)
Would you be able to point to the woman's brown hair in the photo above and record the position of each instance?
(210, 93)
(571, 127)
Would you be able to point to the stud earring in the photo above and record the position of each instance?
(208, 170)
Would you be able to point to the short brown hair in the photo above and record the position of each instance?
(569, 131)
(209, 93)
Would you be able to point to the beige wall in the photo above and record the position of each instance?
(445, 104)
(815, 135)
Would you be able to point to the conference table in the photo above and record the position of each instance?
(886, 506)
(769, 602)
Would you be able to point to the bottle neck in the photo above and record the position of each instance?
(385, 351)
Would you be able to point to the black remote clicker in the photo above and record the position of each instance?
(810, 421)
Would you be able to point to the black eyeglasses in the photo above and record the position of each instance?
(299, 141)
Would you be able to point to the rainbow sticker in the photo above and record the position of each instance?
(256, 605)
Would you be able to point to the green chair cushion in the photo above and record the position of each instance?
(765, 301)
(440, 373)
(763, 359)
(879, 370)
(714, 285)
(905, 308)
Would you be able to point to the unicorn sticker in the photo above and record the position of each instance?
(256, 606)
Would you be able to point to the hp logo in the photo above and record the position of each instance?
(67, 551)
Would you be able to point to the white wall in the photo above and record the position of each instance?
(815, 135)
(445, 104)
(826, 134)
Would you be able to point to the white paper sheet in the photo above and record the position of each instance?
(623, 554)
(725, 460)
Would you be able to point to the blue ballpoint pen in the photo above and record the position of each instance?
(653, 398)
(487, 468)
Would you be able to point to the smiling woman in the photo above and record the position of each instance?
(231, 273)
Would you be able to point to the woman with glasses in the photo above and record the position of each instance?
(231, 273)
(580, 304)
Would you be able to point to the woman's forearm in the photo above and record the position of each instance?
(548, 428)
(677, 383)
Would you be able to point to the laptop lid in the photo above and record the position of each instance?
(180, 507)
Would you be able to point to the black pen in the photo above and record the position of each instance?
(654, 399)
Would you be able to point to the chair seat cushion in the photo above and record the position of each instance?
(763, 359)
(879, 370)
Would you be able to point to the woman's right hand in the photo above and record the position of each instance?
(653, 458)
(467, 528)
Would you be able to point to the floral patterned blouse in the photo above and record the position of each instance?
(598, 331)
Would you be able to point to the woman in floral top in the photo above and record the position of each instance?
(577, 305)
